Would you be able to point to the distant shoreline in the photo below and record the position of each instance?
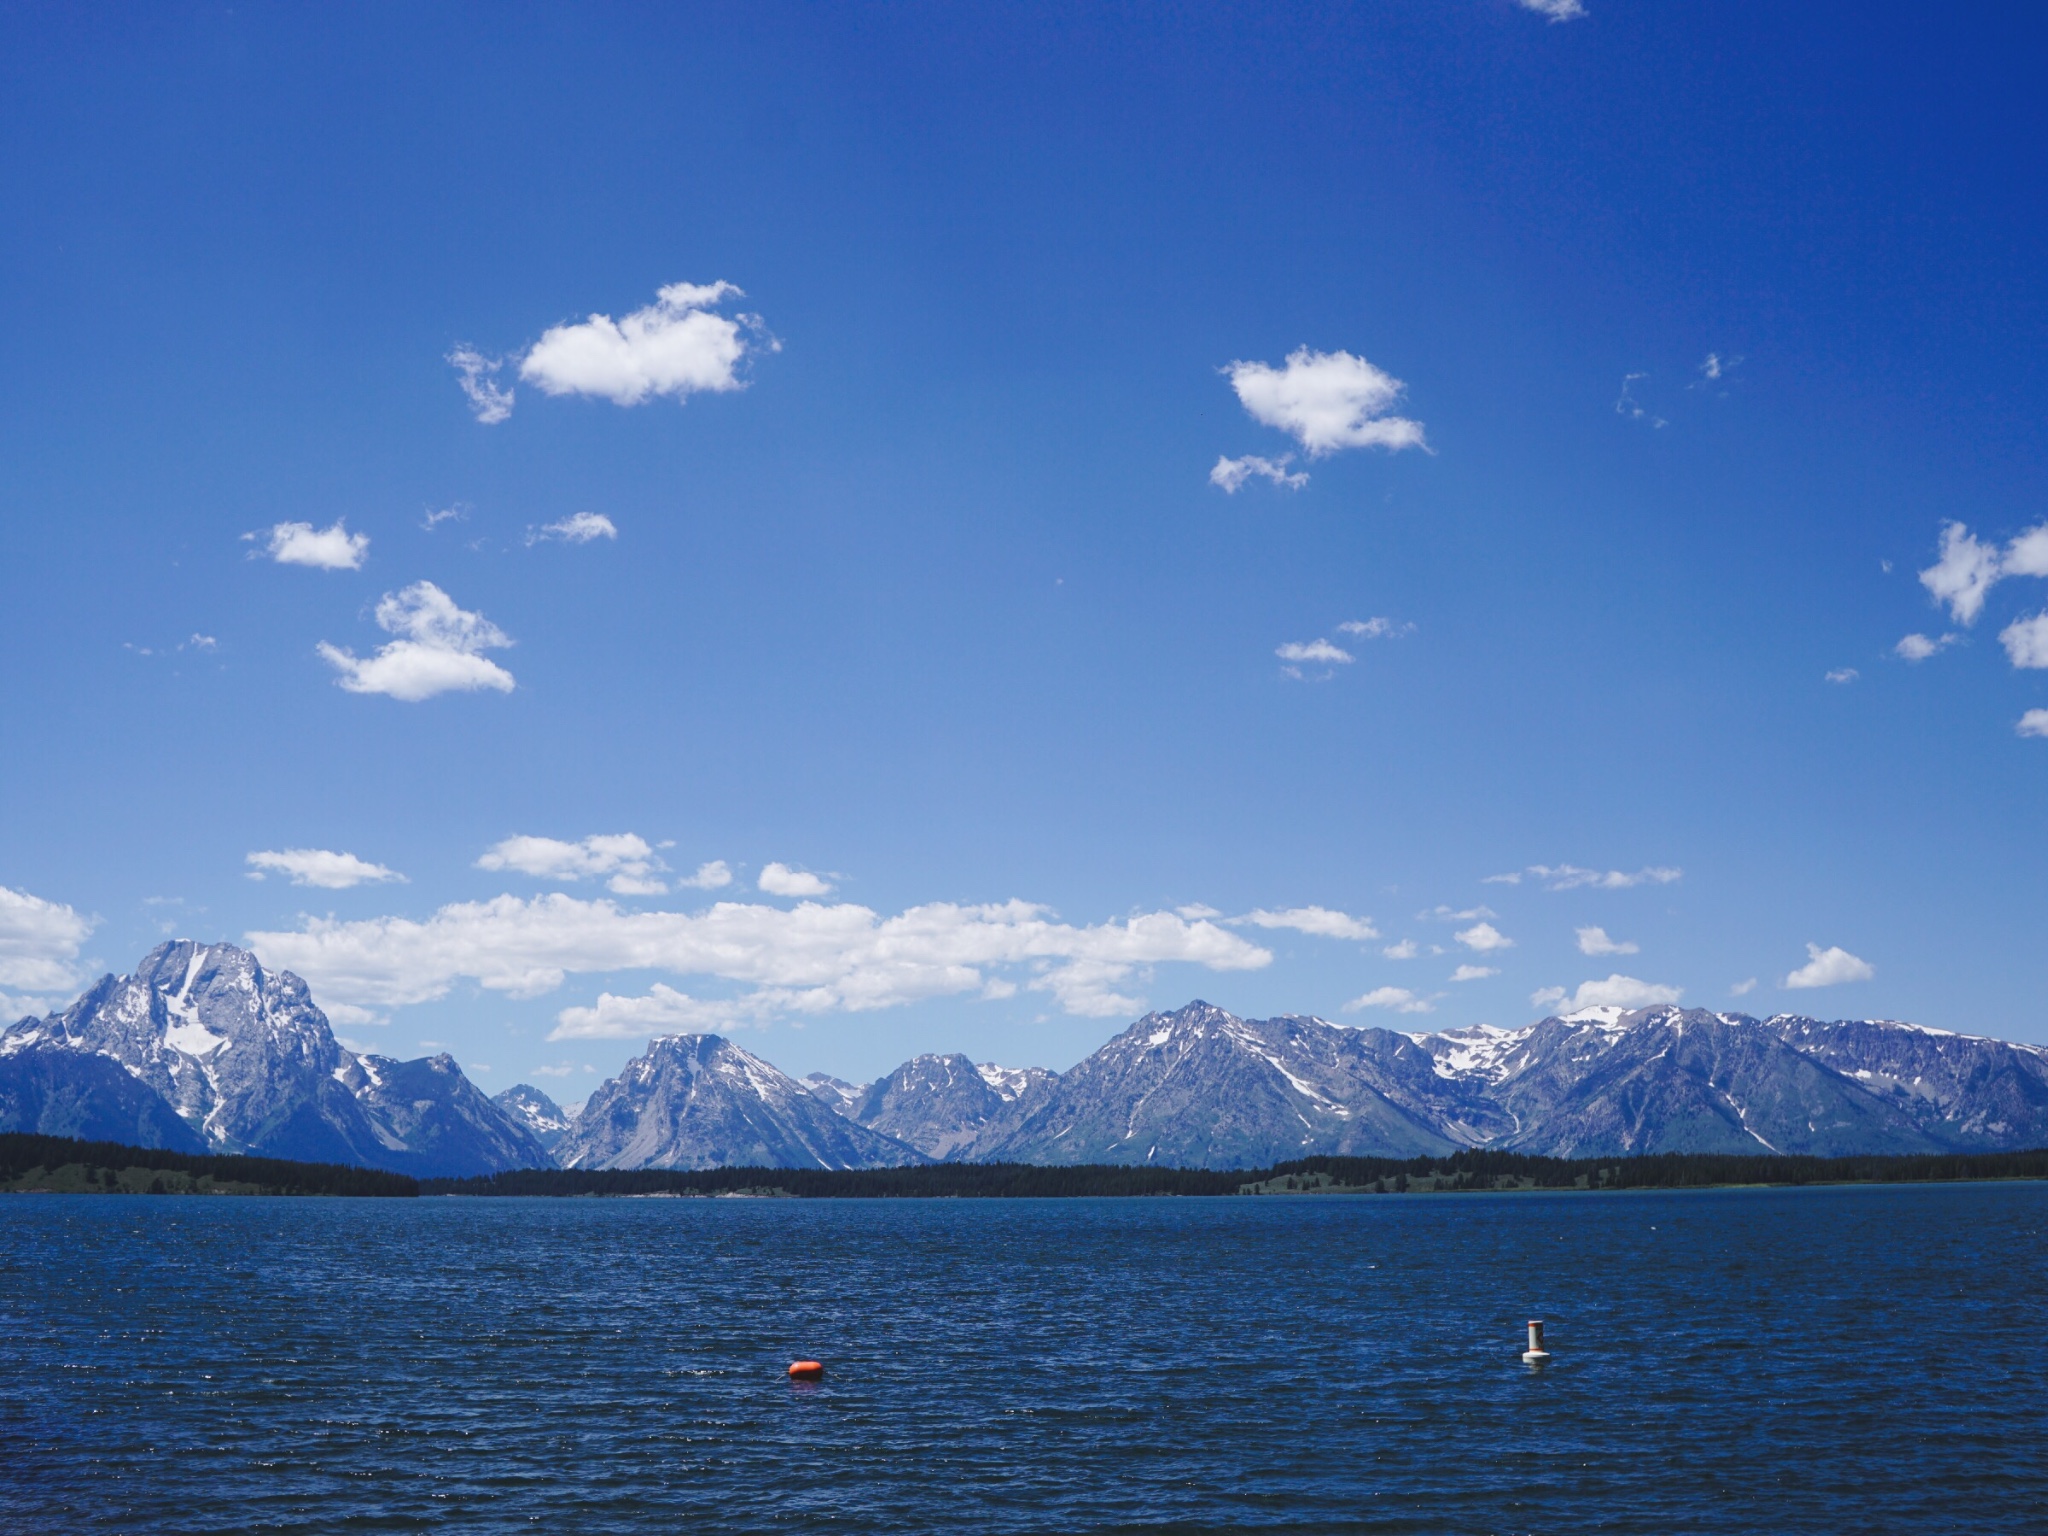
(32, 1164)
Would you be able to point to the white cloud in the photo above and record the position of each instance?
(1629, 406)
(1843, 675)
(477, 375)
(1320, 921)
(805, 960)
(1512, 878)
(712, 875)
(1198, 909)
(437, 650)
(1326, 401)
(1405, 950)
(1484, 937)
(1376, 628)
(1829, 968)
(781, 880)
(1574, 10)
(632, 866)
(1743, 988)
(2026, 641)
(1615, 992)
(578, 528)
(1474, 972)
(1400, 999)
(201, 643)
(39, 942)
(676, 346)
(1920, 647)
(325, 549)
(1594, 941)
(320, 867)
(455, 514)
(1230, 474)
(1319, 652)
(1443, 914)
(2033, 723)
(1570, 877)
(2027, 555)
(1964, 574)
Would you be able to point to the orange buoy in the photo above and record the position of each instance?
(805, 1370)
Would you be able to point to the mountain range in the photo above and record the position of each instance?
(201, 1049)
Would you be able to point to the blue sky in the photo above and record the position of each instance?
(910, 570)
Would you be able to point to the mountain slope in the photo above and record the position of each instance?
(243, 1058)
(699, 1101)
(1202, 1088)
(53, 1091)
(545, 1120)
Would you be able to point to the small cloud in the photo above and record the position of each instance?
(455, 514)
(1843, 675)
(1920, 647)
(632, 866)
(1627, 405)
(1963, 575)
(1743, 988)
(200, 643)
(438, 649)
(1376, 628)
(1615, 992)
(2033, 723)
(2026, 641)
(320, 867)
(711, 876)
(1514, 878)
(1319, 921)
(579, 528)
(781, 880)
(1442, 914)
(1326, 401)
(1197, 911)
(325, 549)
(477, 374)
(1474, 972)
(676, 347)
(1594, 941)
(1400, 999)
(1484, 938)
(1405, 950)
(559, 1069)
(1563, 10)
(1829, 968)
(2027, 555)
(1570, 877)
(1314, 652)
(1230, 474)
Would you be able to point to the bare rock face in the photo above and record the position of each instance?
(699, 1101)
(545, 1120)
(242, 1059)
(941, 1105)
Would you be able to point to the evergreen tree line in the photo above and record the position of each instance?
(23, 1153)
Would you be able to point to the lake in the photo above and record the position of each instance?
(1823, 1360)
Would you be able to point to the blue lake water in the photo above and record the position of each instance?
(1870, 1359)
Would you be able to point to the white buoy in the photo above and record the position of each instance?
(1535, 1354)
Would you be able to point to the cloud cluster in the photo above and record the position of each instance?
(1230, 474)
(677, 346)
(39, 942)
(1400, 999)
(477, 374)
(808, 959)
(1967, 568)
(1617, 991)
(324, 549)
(320, 867)
(439, 649)
(624, 860)
(578, 528)
(1575, 10)
(1594, 941)
(1322, 922)
(1572, 877)
(1326, 401)
(1829, 968)
(781, 880)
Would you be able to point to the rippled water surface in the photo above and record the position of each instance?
(1781, 1361)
